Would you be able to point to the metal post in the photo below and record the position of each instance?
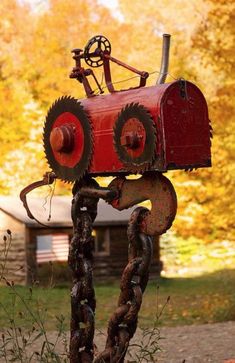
(165, 59)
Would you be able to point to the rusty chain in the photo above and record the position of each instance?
(123, 323)
(120, 194)
(80, 260)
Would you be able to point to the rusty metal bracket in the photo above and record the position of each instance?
(99, 192)
(124, 193)
(48, 178)
(151, 186)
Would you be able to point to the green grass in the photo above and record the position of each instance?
(202, 299)
(196, 300)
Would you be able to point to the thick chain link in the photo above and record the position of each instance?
(123, 322)
(83, 303)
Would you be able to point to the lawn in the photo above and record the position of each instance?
(194, 300)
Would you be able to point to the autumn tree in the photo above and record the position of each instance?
(35, 62)
(14, 94)
(202, 51)
(213, 46)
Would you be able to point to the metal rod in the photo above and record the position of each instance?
(104, 193)
(165, 58)
(143, 74)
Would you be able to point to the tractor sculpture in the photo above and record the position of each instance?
(141, 130)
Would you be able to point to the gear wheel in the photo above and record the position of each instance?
(97, 44)
(135, 138)
(67, 138)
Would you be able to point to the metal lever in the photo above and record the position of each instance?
(107, 73)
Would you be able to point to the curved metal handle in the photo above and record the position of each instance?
(48, 178)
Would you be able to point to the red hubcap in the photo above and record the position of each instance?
(62, 138)
(133, 137)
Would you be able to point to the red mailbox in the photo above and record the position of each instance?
(131, 131)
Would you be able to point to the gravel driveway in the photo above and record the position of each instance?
(214, 343)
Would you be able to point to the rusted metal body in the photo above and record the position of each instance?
(145, 130)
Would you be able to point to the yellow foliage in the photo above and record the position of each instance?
(35, 62)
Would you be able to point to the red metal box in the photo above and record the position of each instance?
(150, 128)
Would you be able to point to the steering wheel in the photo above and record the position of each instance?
(94, 49)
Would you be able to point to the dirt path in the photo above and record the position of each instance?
(214, 343)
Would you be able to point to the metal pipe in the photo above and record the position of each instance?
(165, 58)
(104, 193)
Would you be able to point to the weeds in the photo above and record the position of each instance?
(7, 240)
(28, 344)
(147, 350)
(26, 340)
(18, 344)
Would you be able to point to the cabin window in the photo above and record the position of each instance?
(52, 247)
(102, 241)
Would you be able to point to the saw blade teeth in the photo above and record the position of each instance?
(68, 104)
(147, 158)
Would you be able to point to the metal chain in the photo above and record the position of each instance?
(80, 260)
(123, 323)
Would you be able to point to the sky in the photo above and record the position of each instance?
(40, 4)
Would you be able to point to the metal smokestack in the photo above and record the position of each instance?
(165, 58)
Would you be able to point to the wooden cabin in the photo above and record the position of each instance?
(33, 247)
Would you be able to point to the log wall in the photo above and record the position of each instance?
(12, 251)
(21, 264)
(111, 267)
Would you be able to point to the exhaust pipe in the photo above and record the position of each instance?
(165, 59)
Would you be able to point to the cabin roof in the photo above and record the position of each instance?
(60, 211)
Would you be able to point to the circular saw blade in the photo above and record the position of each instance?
(67, 114)
(135, 119)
